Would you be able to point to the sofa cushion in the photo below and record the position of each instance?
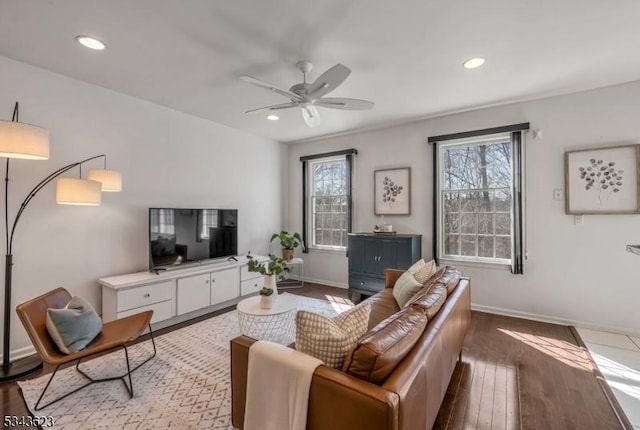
(422, 270)
(73, 327)
(383, 305)
(330, 339)
(405, 287)
(381, 349)
(450, 278)
(431, 300)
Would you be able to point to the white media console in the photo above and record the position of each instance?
(180, 294)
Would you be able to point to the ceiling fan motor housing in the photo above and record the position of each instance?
(300, 89)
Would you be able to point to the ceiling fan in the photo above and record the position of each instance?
(308, 96)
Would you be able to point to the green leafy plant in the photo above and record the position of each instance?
(266, 291)
(287, 240)
(274, 266)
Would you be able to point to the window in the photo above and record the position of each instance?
(478, 196)
(327, 199)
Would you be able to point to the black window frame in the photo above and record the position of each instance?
(349, 155)
(518, 234)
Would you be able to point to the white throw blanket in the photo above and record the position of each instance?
(278, 385)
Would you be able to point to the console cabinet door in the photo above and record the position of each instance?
(388, 252)
(408, 252)
(225, 285)
(193, 293)
(371, 256)
(356, 255)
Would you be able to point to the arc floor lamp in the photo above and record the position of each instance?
(20, 140)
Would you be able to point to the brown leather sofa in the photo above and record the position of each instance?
(408, 399)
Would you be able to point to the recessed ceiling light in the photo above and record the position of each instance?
(273, 117)
(472, 63)
(91, 43)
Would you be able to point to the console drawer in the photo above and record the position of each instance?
(161, 311)
(365, 283)
(251, 286)
(145, 295)
(245, 274)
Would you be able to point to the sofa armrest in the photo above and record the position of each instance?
(337, 401)
(391, 276)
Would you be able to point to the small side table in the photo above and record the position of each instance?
(276, 324)
(297, 268)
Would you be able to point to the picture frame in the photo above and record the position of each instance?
(392, 191)
(602, 180)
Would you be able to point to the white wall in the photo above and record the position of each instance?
(575, 273)
(168, 159)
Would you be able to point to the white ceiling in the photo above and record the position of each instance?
(406, 55)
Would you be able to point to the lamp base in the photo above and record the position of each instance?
(20, 368)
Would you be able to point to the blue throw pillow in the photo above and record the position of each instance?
(73, 327)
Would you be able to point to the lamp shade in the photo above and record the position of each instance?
(111, 180)
(20, 140)
(72, 191)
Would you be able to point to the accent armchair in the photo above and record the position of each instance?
(115, 334)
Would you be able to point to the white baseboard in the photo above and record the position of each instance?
(328, 283)
(17, 354)
(554, 320)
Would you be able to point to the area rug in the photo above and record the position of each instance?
(186, 386)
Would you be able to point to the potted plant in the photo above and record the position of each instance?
(270, 270)
(288, 242)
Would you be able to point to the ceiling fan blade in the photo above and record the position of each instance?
(344, 103)
(275, 107)
(267, 86)
(328, 81)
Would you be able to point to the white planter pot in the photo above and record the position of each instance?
(270, 282)
(267, 302)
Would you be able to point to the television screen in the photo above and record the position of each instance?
(179, 236)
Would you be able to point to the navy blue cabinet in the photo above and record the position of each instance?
(370, 254)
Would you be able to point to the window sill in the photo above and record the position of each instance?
(472, 263)
(328, 250)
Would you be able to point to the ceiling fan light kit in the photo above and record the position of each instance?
(309, 96)
(310, 115)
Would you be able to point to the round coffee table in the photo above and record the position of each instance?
(276, 324)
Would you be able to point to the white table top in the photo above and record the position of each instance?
(283, 304)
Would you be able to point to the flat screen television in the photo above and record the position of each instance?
(182, 236)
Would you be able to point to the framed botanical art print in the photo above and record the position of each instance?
(602, 180)
(392, 191)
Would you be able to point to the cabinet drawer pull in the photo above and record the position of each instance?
(361, 284)
(213, 280)
(206, 282)
(147, 295)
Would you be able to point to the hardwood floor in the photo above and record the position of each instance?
(514, 374)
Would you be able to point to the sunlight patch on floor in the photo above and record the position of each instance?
(619, 376)
(561, 350)
(339, 304)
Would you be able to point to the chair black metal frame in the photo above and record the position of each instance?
(92, 380)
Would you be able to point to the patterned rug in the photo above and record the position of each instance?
(186, 386)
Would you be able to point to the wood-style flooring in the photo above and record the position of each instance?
(514, 374)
